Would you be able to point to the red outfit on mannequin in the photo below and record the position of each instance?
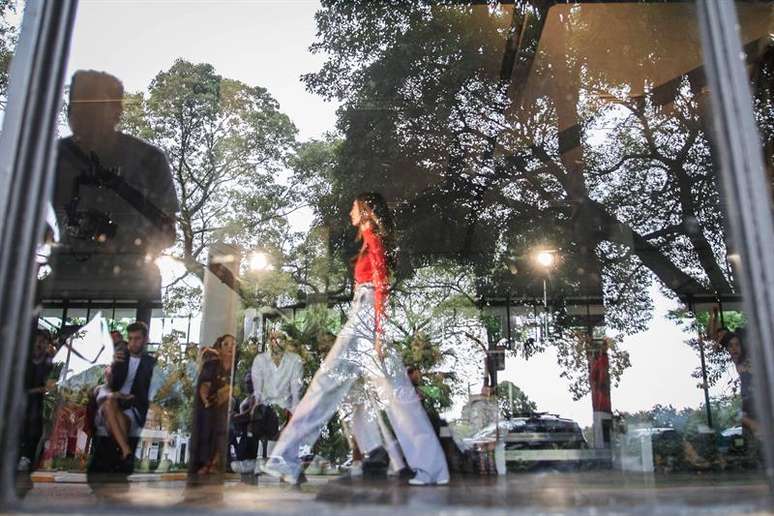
(371, 267)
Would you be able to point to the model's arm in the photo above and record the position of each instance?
(204, 393)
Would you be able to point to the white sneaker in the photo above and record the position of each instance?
(248, 466)
(422, 478)
(278, 468)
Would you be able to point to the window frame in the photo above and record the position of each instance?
(27, 171)
(737, 149)
(26, 179)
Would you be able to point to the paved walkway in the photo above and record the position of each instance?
(541, 493)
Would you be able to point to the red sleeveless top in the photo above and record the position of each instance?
(371, 267)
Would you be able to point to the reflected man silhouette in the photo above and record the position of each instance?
(113, 196)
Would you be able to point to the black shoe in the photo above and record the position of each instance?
(376, 463)
(406, 473)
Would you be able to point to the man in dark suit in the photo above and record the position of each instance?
(125, 398)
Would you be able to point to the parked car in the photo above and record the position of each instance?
(535, 432)
(539, 440)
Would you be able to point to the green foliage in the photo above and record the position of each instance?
(247, 352)
(492, 326)
(421, 353)
(313, 165)
(269, 287)
(8, 35)
(513, 401)
(437, 325)
(227, 143)
(731, 319)
(182, 300)
(694, 445)
(717, 360)
(76, 396)
(317, 270)
(74, 464)
(435, 117)
(332, 443)
(725, 414)
(175, 398)
(312, 333)
(574, 350)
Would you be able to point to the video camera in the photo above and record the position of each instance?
(98, 226)
(90, 224)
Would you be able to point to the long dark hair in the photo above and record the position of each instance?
(725, 342)
(374, 207)
(219, 341)
(213, 352)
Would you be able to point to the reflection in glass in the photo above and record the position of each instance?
(113, 196)
(562, 286)
(212, 408)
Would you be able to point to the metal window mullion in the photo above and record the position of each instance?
(737, 146)
(26, 172)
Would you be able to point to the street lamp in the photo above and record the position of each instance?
(546, 259)
(259, 261)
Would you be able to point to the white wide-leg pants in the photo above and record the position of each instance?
(352, 357)
(367, 427)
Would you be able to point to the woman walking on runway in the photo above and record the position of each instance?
(359, 351)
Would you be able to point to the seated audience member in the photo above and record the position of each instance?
(123, 406)
(244, 443)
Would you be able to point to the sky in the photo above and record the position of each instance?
(265, 43)
(259, 42)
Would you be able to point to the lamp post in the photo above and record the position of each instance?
(260, 261)
(545, 259)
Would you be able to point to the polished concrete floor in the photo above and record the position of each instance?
(596, 492)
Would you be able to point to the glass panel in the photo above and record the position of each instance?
(10, 20)
(538, 278)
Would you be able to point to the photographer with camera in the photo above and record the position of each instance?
(115, 198)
